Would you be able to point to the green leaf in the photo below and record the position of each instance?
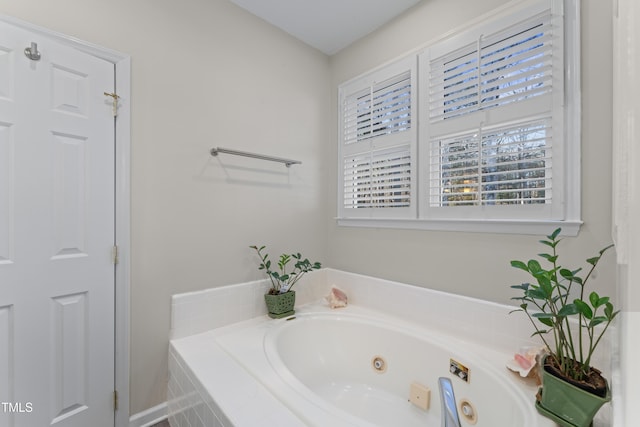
(583, 308)
(596, 321)
(545, 285)
(567, 274)
(543, 315)
(536, 293)
(593, 261)
(547, 322)
(546, 319)
(523, 286)
(539, 333)
(548, 243)
(519, 264)
(569, 310)
(533, 266)
(594, 298)
(555, 233)
(603, 250)
(608, 311)
(550, 258)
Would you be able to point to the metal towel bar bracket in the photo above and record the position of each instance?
(287, 162)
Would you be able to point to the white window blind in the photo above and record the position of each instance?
(494, 112)
(382, 109)
(509, 66)
(378, 144)
(506, 166)
(479, 131)
(379, 179)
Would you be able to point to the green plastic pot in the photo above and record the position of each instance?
(566, 404)
(280, 305)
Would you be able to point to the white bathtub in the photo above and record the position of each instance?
(319, 366)
(232, 366)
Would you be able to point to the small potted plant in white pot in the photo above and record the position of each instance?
(280, 298)
(571, 328)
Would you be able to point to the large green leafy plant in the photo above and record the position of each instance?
(547, 301)
(283, 278)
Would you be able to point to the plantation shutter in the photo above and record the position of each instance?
(377, 144)
(494, 114)
(511, 66)
(506, 166)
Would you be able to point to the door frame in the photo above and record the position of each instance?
(122, 67)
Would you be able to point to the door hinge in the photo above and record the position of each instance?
(114, 98)
(114, 254)
(115, 400)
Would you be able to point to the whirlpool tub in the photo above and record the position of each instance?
(358, 367)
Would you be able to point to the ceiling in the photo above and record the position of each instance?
(327, 25)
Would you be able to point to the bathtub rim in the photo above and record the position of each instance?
(304, 406)
(486, 357)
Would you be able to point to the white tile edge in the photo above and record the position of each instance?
(150, 416)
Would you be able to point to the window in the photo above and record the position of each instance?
(378, 144)
(497, 125)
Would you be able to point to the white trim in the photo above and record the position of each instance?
(123, 237)
(150, 416)
(536, 228)
(122, 64)
(573, 118)
(626, 205)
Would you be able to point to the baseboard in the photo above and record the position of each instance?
(149, 417)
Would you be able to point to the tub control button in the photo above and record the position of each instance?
(468, 412)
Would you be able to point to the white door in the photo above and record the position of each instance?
(56, 235)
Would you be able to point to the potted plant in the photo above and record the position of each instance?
(281, 298)
(571, 328)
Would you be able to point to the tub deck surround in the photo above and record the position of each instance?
(210, 387)
(207, 388)
(201, 311)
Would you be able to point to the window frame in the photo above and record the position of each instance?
(567, 214)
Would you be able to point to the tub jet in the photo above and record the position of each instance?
(378, 364)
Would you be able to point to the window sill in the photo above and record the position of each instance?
(540, 228)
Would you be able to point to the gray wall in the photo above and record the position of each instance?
(205, 73)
